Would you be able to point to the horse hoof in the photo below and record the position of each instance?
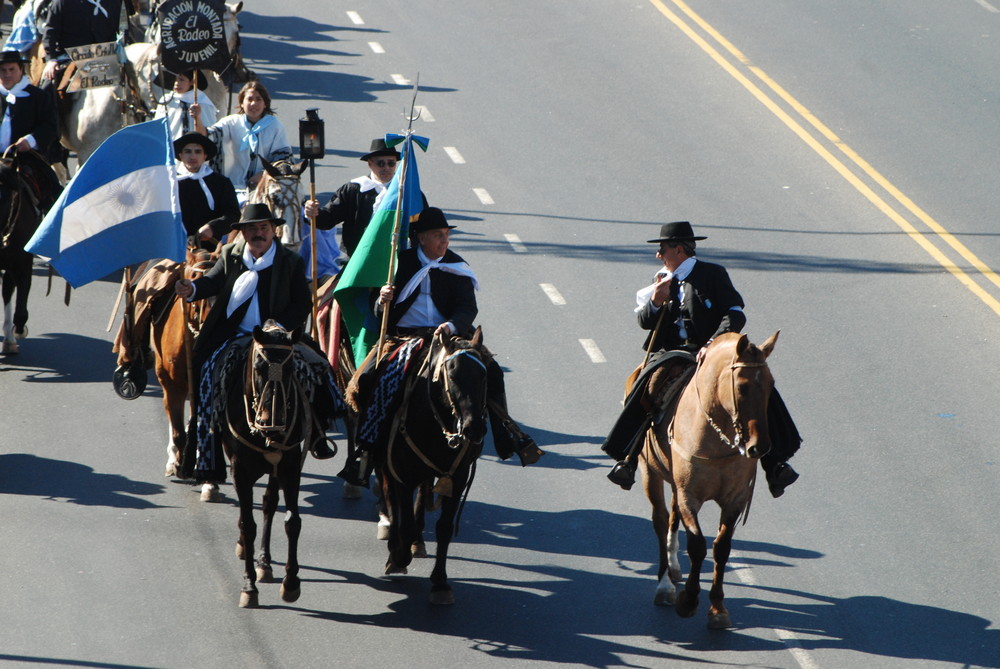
(665, 597)
(10, 348)
(719, 621)
(442, 597)
(290, 594)
(21, 334)
(351, 491)
(248, 600)
(265, 575)
(686, 605)
(210, 492)
(382, 532)
(240, 554)
(171, 470)
(419, 550)
(391, 569)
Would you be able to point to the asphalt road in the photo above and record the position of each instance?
(839, 157)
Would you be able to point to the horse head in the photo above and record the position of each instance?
(458, 388)
(743, 384)
(279, 190)
(272, 396)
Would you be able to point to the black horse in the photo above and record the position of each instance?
(438, 434)
(28, 188)
(282, 397)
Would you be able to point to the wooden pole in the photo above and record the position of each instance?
(312, 256)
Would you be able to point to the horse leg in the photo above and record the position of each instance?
(424, 497)
(653, 485)
(269, 506)
(291, 585)
(687, 599)
(244, 481)
(22, 279)
(382, 508)
(173, 404)
(718, 616)
(441, 593)
(399, 498)
(10, 346)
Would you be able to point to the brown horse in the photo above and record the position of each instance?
(173, 337)
(709, 451)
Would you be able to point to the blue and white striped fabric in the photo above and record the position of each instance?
(121, 208)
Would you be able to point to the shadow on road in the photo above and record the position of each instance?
(60, 480)
(62, 357)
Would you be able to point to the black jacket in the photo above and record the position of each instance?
(194, 205)
(35, 115)
(352, 208)
(708, 296)
(73, 23)
(452, 294)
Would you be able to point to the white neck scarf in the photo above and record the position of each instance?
(460, 268)
(98, 8)
(245, 287)
(16, 91)
(199, 176)
(643, 295)
(368, 183)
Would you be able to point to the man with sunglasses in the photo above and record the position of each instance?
(354, 202)
(689, 303)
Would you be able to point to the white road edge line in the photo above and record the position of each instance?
(376, 47)
(590, 347)
(515, 243)
(483, 195)
(553, 293)
(455, 156)
(355, 18)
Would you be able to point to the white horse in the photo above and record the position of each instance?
(280, 189)
(96, 114)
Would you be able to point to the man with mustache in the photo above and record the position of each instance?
(256, 279)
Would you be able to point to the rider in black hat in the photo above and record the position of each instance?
(27, 113)
(208, 199)
(354, 202)
(689, 303)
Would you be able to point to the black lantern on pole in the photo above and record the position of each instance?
(311, 144)
(311, 147)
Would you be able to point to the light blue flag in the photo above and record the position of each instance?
(121, 208)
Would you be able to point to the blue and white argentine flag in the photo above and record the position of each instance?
(121, 208)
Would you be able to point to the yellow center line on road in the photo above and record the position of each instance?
(842, 169)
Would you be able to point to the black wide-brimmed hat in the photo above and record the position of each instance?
(195, 138)
(678, 231)
(169, 78)
(430, 218)
(378, 148)
(12, 57)
(255, 213)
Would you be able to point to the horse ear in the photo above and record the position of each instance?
(768, 345)
(270, 169)
(477, 338)
(300, 168)
(742, 345)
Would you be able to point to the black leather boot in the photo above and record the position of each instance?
(356, 471)
(780, 478)
(623, 474)
(527, 450)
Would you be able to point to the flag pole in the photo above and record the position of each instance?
(397, 223)
(312, 255)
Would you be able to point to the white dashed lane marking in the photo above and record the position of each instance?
(399, 80)
(515, 243)
(455, 156)
(593, 352)
(355, 18)
(376, 47)
(554, 294)
(424, 114)
(483, 195)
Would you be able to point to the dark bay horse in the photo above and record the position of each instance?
(28, 188)
(709, 451)
(439, 435)
(269, 413)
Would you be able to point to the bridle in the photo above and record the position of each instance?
(739, 440)
(455, 438)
